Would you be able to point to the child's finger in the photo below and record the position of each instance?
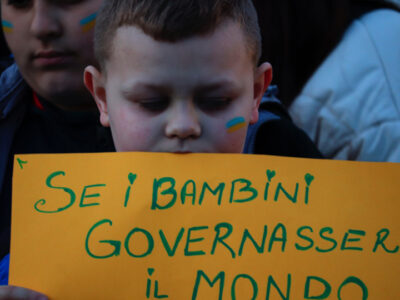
(9, 292)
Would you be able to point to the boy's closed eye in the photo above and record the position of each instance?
(19, 3)
(154, 104)
(213, 103)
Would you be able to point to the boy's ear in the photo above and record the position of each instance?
(262, 79)
(94, 83)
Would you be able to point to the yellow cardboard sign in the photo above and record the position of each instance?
(205, 226)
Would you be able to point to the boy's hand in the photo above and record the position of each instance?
(9, 292)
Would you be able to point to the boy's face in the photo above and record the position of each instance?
(195, 95)
(51, 45)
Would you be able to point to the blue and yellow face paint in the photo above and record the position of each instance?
(7, 26)
(235, 124)
(88, 22)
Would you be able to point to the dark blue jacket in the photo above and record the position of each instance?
(13, 90)
(14, 93)
(4, 263)
(273, 134)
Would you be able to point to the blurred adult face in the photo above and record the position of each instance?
(52, 42)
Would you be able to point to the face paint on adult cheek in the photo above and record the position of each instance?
(8, 27)
(88, 23)
(235, 124)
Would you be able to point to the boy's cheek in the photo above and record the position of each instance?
(132, 134)
(231, 142)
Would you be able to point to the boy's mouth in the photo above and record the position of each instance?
(51, 58)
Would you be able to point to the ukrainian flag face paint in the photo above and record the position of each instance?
(235, 124)
(7, 26)
(88, 23)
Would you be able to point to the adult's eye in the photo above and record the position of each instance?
(213, 104)
(154, 105)
(19, 3)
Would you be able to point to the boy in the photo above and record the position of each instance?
(179, 76)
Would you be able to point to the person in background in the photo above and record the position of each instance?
(44, 105)
(337, 64)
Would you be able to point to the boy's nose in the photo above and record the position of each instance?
(45, 23)
(183, 122)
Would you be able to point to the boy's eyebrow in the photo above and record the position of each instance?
(222, 85)
(142, 87)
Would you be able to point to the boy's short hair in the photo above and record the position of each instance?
(174, 20)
